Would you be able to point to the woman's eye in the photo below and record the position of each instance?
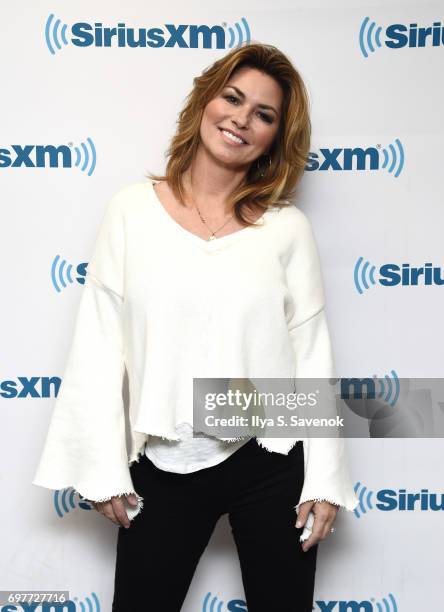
(266, 118)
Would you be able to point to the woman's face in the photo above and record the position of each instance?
(250, 106)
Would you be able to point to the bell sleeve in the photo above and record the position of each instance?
(85, 446)
(327, 475)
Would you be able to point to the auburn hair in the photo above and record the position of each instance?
(288, 152)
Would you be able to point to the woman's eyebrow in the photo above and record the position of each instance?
(242, 95)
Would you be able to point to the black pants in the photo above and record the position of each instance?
(158, 554)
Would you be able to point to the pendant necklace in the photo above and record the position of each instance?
(213, 234)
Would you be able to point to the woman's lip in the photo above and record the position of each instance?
(239, 144)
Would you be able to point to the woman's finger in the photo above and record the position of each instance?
(311, 541)
(316, 535)
(120, 514)
(106, 508)
(327, 527)
(321, 530)
(302, 516)
(108, 512)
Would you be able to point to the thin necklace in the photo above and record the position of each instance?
(213, 234)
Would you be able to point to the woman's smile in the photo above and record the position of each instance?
(231, 138)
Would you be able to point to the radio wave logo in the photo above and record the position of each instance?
(55, 34)
(90, 604)
(388, 604)
(363, 275)
(393, 158)
(369, 36)
(237, 34)
(212, 604)
(207, 36)
(86, 156)
(69, 499)
(365, 499)
(61, 273)
(389, 388)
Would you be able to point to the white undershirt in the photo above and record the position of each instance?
(189, 454)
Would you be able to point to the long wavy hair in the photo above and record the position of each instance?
(265, 184)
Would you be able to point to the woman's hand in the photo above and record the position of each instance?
(114, 509)
(324, 517)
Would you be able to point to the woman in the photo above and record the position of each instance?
(207, 271)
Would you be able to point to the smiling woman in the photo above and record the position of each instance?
(255, 94)
(205, 272)
(240, 118)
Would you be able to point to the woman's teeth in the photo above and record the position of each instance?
(233, 138)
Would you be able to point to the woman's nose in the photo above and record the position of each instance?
(241, 121)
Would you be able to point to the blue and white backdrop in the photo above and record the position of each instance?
(82, 115)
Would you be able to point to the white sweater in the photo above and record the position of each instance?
(168, 306)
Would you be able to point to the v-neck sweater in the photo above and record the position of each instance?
(168, 306)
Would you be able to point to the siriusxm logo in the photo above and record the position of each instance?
(385, 389)
(390, 158)
(90, 603)
(392, 499)
(386, 604)
(69, 499)
(399, 36)
(82, 157)
(27, 387)
(184, 36)
(61, 273)
(214, 604)
(392, 275)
